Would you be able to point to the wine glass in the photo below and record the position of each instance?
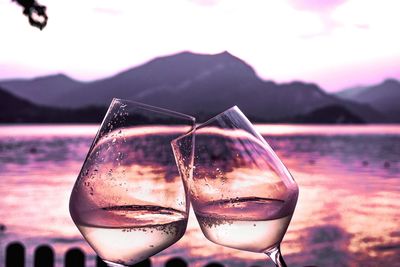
(129, 202)
(242, 194)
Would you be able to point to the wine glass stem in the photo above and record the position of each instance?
(276, 256)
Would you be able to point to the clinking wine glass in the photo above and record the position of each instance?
(129, 202)
(242, 194)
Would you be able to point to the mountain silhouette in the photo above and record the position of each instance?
(42, 90)
(16, 110)
(384, 97)
(196, 84)
(331, 114)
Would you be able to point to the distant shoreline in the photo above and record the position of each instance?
(89, 130)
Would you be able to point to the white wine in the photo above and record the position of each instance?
(251, 224)
(125, 235)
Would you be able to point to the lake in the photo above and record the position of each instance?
(348, 212)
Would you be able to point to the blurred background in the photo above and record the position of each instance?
(320, 79)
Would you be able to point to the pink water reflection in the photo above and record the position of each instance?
(347, 213)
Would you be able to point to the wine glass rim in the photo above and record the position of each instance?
(154, 108)
(200, 125)
(233, 108)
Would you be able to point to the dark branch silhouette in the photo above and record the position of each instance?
(35, 12)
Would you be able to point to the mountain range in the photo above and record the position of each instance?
(383, 97)
(16, 110)
(204, 85)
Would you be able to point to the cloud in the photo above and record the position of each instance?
(206, 2)
(94, 38)
(108, 11)
(316, 5)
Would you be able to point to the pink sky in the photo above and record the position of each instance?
(337, 43)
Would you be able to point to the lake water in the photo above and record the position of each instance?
(348, 213)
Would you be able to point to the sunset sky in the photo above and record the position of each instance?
(335, 43)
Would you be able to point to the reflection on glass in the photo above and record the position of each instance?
(128, 201)
(242, 194)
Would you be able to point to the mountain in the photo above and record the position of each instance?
(16, 110)
(43, 90)
(13, 108)
(331, 114)
(200, 85)
(350, 92)
(175, 74)
(384, 97)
